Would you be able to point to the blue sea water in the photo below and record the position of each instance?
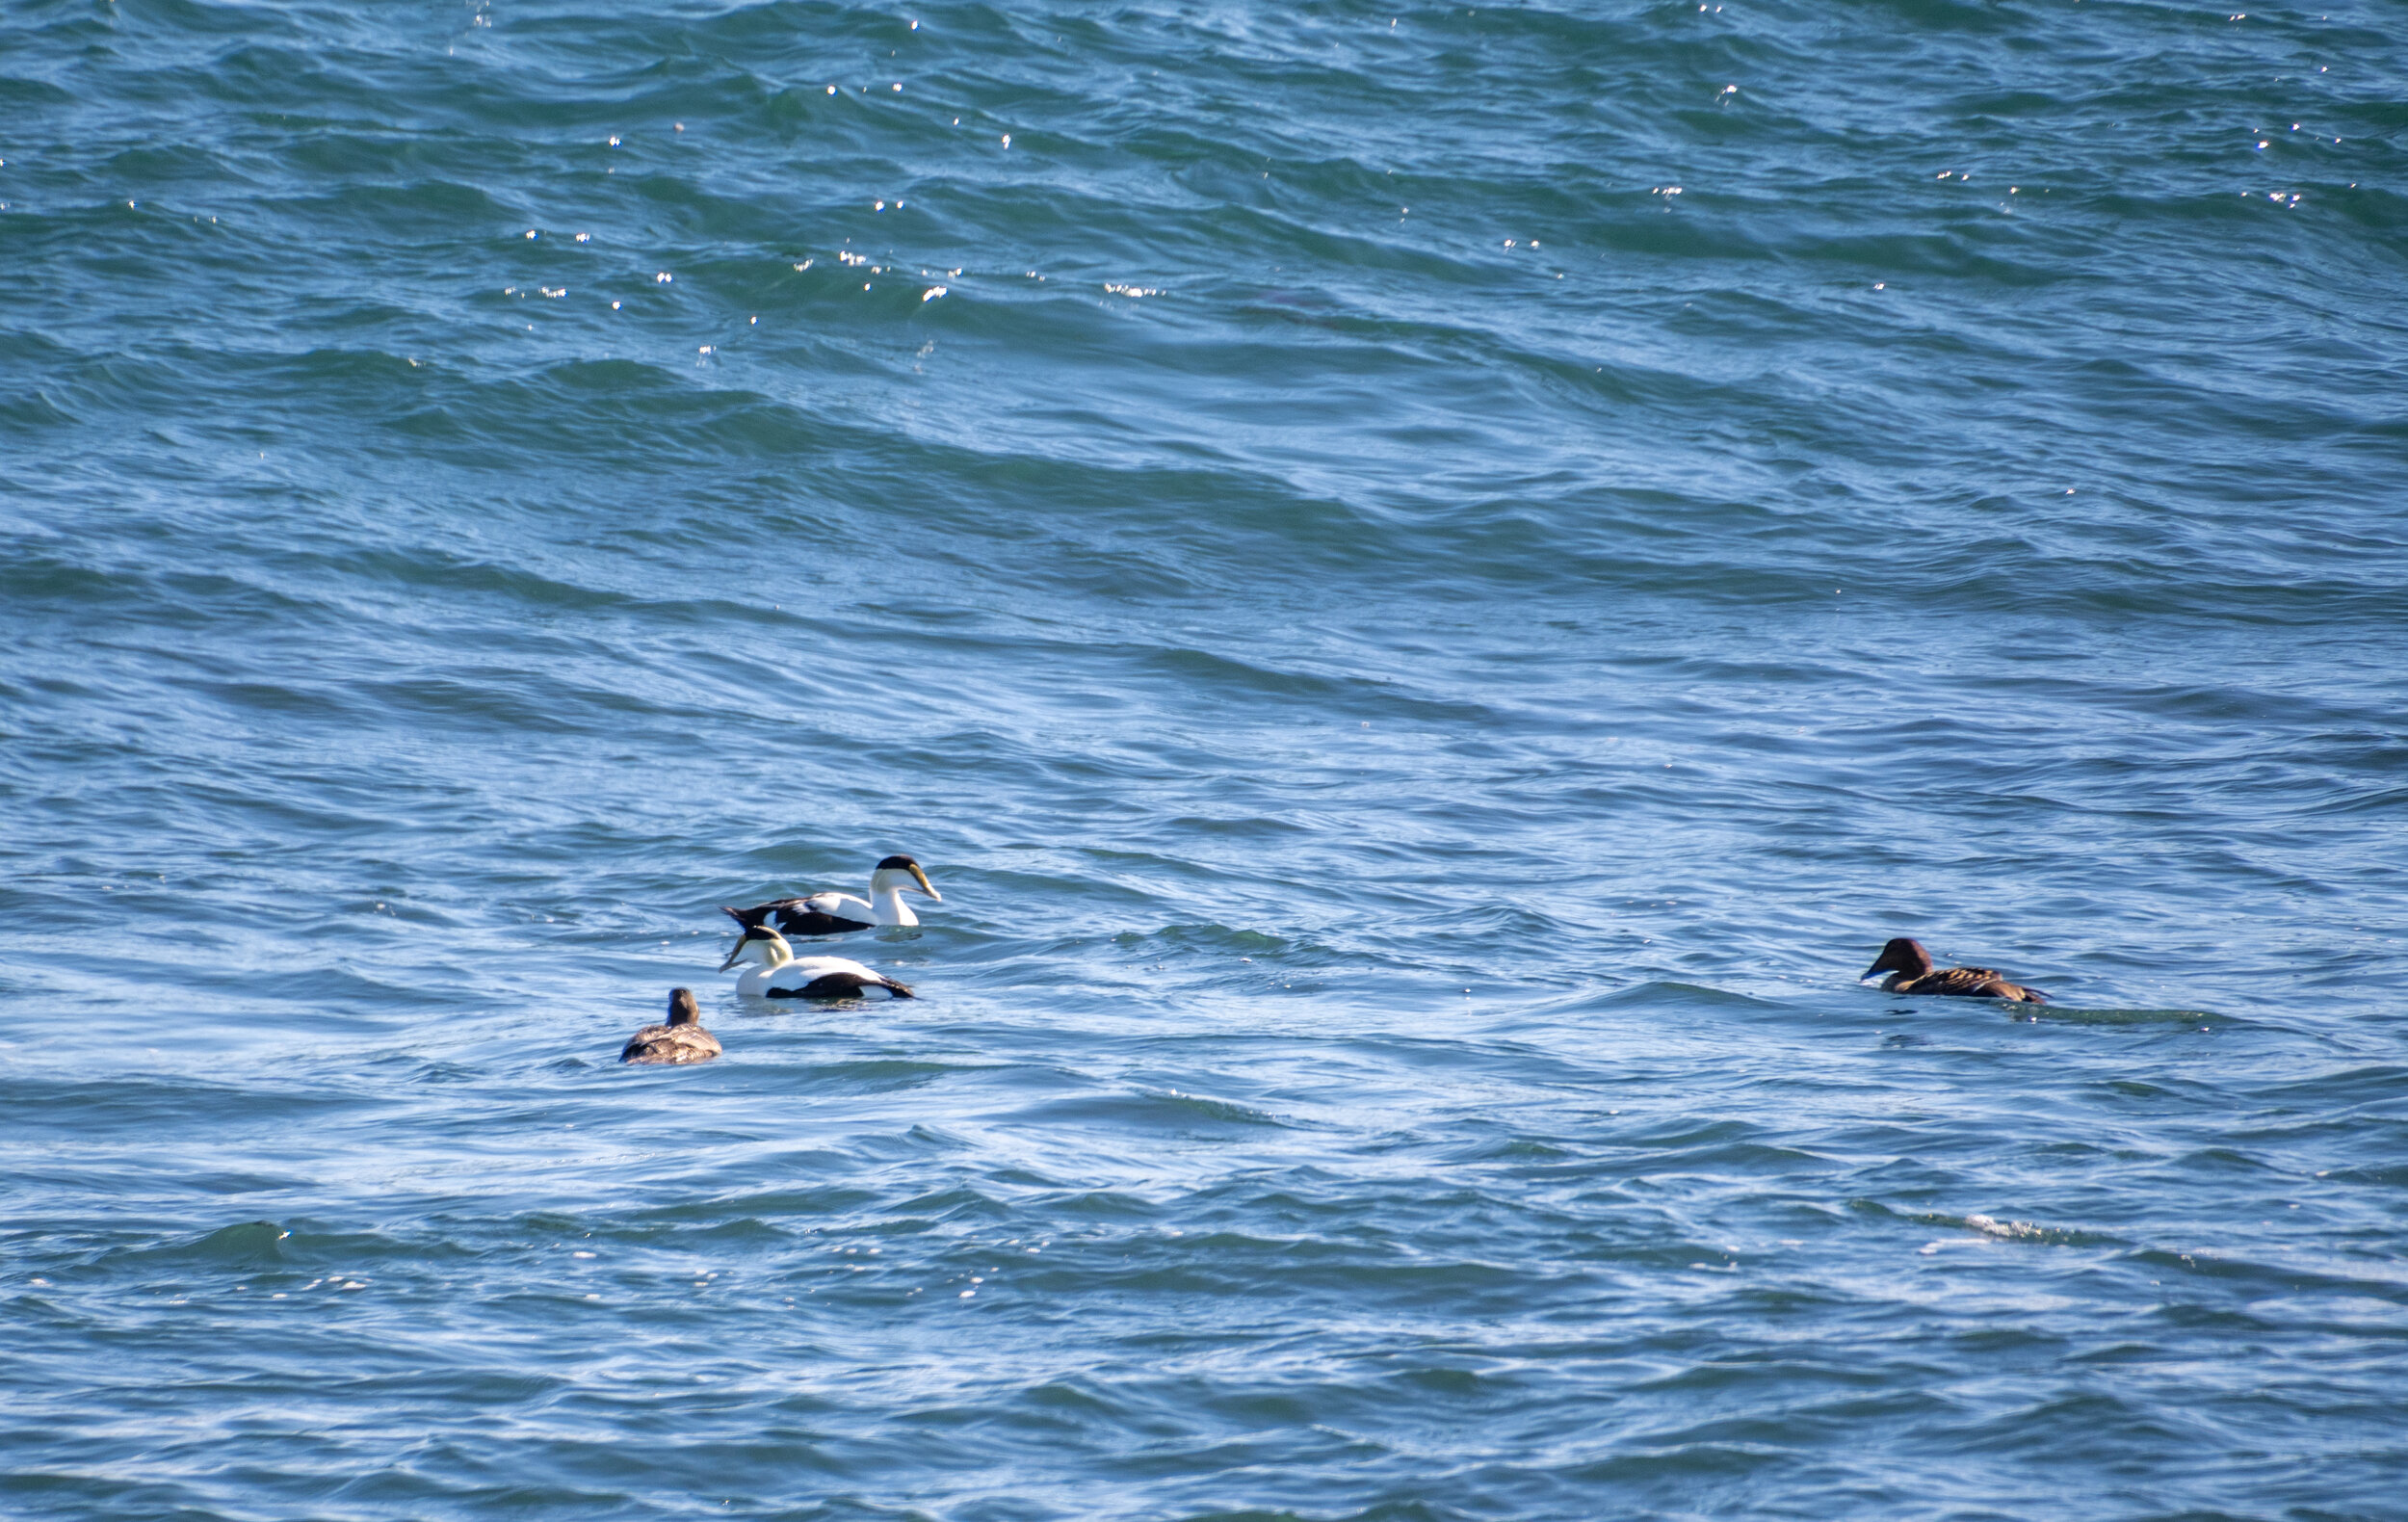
(1428, 584)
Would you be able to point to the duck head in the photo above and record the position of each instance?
(1900, 955)
(762, 944)
(902, 875)
(681, 1008)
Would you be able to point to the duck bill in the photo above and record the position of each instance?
(926, 886)
(1871, 973)
(733, 952)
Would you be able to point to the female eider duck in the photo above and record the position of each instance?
(682, 1040)
(783, 975)
(1910, 971)
(841, 913)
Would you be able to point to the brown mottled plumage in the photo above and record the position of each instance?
(682, 1040)
(1910, 971)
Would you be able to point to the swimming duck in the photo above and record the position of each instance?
(1910, 971)
(783, 975)
(841, 913)
(682, 1040)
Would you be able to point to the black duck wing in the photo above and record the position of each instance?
(798, 917)
(839, 985)
(820, 914)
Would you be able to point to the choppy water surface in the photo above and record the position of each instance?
(1429, 585)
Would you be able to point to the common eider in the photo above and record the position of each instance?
(1910, 971)
(682, 1040)
(779, 974)
(842, 914)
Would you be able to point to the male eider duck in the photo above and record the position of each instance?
(682, 1040)
(1910, 971)
(783, 975)
(841, 913)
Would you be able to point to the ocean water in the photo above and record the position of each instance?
(1429, 585)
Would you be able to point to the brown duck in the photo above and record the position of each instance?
(1910, 971)
(682, 1040)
